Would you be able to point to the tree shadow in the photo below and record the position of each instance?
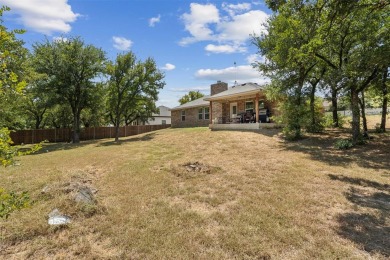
(369, 230)
(144, 138)
(52, 147)
(320, 147)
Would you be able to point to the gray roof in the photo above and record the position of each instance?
(200, 102)
(243, 89)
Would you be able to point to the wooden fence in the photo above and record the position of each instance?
(90, 133)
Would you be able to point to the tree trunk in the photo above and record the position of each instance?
(355, 115)
(362, 102)
(385, 101)
(334, 108)
(117, 123)
(117, 132)
(312, 107)
(76, 128)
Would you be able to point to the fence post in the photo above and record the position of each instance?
(55, 135)
(94, 132)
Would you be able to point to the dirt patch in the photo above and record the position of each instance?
(193, 169)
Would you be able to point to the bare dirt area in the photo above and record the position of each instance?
(200, 194)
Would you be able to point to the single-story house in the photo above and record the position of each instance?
(238, 107)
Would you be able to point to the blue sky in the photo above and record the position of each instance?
(195, 43)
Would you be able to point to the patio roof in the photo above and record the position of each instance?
(237, 91)
(200, 102)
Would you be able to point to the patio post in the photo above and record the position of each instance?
(211, 112)
(257, 108)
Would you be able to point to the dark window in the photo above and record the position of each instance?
(200, 113)
(183, 115)
(206, 113)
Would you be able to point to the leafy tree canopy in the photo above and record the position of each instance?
(192, 95)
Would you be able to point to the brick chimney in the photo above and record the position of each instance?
(218, 87)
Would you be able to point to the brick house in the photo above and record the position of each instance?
(227, 108)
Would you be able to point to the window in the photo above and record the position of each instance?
(234, 108)
(163, 122)
(206, 113)
(248, 105)
(200, 113)
(261, 104)
(183, 115)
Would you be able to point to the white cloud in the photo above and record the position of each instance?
(168, 67)
(44, 16)
(60, 39)
(197, 22)
(121, 43)
(240, 27)
(224, 48)
(154, 20)
(254, 58)
(241, 74)
(233, 9)
(204, 23)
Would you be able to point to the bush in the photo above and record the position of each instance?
(328, 120)
(343, 144)
(10, 201)
(378, 129)
(7, 152)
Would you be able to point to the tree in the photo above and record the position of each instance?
(192, 95)
(12, 58)
(71, 67)
(290, 62)
(348, 37)
(131, 83)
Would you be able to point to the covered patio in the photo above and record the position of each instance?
(242, 107)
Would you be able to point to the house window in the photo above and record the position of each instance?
(183, 115)
(200, 113)
(206, 113)
(248, 105)
(163, 122)
(261, 104)
(234, 108)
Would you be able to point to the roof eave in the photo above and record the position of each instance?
(241, 94)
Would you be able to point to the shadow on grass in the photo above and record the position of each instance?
(52, 147)
(369, 230)
(375, 154)
(146, 137)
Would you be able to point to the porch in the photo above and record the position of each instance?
(239, 126)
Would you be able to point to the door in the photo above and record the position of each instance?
(233, 110)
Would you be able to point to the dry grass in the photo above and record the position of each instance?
(196, 194)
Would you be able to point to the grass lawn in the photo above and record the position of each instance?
(247, 195)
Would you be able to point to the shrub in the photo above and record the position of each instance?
(343, 144)
(328, 120)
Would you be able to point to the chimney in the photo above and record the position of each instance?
(218, 87)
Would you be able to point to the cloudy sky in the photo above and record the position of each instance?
(195, 43)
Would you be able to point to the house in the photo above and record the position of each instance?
(162, 118)
(227, 108)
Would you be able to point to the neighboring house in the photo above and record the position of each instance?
(226, 108)
(162, 118)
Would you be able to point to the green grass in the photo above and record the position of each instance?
(259, 198)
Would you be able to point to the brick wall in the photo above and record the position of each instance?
(191, 120)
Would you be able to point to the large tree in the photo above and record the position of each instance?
(190, 96)
(131, 82)
(72, 68)
(12, 60)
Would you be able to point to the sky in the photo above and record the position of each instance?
(195, 43)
